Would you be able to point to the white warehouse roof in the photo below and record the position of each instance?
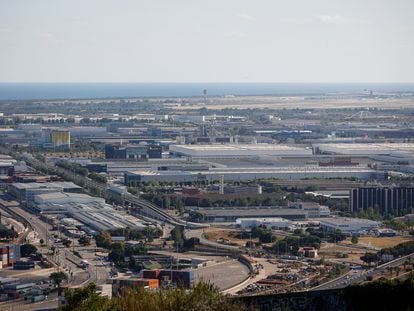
(238, 150)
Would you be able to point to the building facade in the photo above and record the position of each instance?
(393, 201)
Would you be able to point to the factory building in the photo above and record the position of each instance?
(133, 152)
(6, 167)
(25, 192)
(237, 150)
(93, 212)
(238, 174)
(349, 226)
(386, 152)
(55, 138)
(313, 209)
(388, 201)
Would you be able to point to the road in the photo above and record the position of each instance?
(355, 277)
(64, 257)
(199, 233)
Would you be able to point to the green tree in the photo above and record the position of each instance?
(27, 249)
(84, 240)
(203, 297)
(103, 239)
(58, 277)
(85, 299)
(354, 239)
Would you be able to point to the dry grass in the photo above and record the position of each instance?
(232, 236)
(383, 242)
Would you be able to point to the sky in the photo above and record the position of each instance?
(207, 41)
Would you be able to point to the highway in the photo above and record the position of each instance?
(356, 276)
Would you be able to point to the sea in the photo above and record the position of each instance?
(50, 91)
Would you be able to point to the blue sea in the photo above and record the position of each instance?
(33, 91)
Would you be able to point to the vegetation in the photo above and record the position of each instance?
(337, 270)
(84, 240)
(58, 277)
(98, 177)
(354, 239)
(203, 297)
(381, 295)
(119, 252)
(7, 234)
(180, 241)
(74, 167)
(177, 234)
(369, 258)
(27, 249)
(149, 233)
(103, 239)
(399, 250)
(265, 235)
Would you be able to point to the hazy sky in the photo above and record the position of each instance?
(206, 41)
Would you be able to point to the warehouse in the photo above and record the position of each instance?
(237, 150)
(367, 149)
(231, 215)
(238, 174)
(349, 226)
(273, 222)
(26, 191)
(93, 212)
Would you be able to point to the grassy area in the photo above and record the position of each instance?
(382, 242)
(232, 236)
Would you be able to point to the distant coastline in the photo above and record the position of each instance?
(50, 91)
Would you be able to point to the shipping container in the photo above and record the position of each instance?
(150, 274)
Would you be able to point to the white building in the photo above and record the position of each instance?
(349, 226)
(238, 150)
(93, 212)
(274, 222)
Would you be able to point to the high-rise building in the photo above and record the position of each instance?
(392, 201)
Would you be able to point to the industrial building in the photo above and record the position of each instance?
(349, 226)
(55, 138)
(133, 152)
(366, 149)
(274, 222)
(182, 278)
(388, 201)
(231, 215)
(25, 192)
(93, 212)
(237, 150)
(9, 254)
(6, 165)
(313, 209)
(238, 174)
(120, 284)
(396, 153)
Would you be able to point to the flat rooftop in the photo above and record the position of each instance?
(368, 148)
(341, 221)
(238, 150)
(252, 212)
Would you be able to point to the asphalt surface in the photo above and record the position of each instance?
(358, 276)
